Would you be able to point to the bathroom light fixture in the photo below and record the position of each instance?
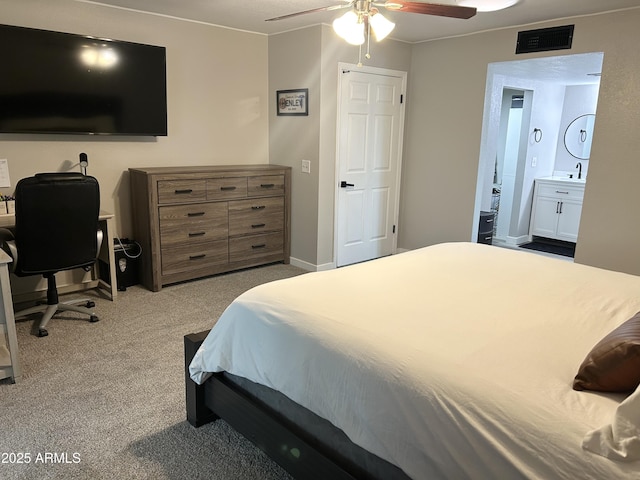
(488, 5)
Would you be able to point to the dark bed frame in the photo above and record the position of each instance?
(294, 449)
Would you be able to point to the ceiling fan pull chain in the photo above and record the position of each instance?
(368, 54)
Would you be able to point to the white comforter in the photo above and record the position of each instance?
(452, 361)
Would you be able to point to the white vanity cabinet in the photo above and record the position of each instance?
(557, 205)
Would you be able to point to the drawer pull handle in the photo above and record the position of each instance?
(267, 185)
(489, 220)
(195, 214)
(259, 207)
(196, 234)
(197, 257)
(566, 193)
(227, 189)
(262, 245)
(186, 191)
(258, 225)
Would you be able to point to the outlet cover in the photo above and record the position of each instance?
(306, 166)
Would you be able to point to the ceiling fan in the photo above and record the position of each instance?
(363, 17)
(367, 7)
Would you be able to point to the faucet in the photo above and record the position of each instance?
(579, 167)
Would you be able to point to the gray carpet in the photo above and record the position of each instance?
(106, 400)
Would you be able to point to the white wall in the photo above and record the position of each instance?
(578, 100)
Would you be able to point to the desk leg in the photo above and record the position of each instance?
(107, 242)
(6, 311)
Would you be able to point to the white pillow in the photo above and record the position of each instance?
(621, 439)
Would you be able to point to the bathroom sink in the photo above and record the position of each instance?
(564, 179)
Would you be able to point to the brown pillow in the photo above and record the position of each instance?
(613, 365)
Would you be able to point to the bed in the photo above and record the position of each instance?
(458, 360)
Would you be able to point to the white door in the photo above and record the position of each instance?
(370, 127)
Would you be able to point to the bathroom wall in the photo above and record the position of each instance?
(578, 100)
(538, 158)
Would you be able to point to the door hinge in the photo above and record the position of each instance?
(394, 229)
(401, 98)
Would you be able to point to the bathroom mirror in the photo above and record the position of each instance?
(577, 138)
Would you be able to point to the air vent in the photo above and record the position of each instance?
(544, 39)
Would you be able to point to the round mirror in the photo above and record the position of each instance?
(577, 138)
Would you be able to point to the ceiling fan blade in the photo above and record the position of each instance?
(313, 10)
(453, 11)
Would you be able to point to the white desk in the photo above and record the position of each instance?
(9, 364)
(106, 252)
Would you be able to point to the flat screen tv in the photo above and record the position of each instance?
(53, 82)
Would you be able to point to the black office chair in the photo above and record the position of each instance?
(56, 229)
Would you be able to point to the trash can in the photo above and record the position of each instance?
(125, 256)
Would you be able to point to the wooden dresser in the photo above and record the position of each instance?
(197, 221)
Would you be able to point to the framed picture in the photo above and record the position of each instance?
(293, 102)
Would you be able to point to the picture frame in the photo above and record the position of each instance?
(293, 102)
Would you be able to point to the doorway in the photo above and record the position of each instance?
(558, 90)
(369, 148)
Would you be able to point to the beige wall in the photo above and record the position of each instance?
(217, 99)
(309, 59)
(221, 99)
(444, 123)
(294, 63)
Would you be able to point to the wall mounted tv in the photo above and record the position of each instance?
(53, 82)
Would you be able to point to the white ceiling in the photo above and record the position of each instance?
(250, 15)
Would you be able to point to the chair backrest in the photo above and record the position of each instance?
(56, 222)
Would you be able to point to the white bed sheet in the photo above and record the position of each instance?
(451, 361)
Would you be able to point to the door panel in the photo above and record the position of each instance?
(369, 149)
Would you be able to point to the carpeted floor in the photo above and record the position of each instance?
(106, 400)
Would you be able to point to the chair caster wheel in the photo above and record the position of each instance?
(90, 304)
(94, 319)
(42, 332)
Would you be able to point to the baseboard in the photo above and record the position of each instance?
(515, 241)
(310, 267)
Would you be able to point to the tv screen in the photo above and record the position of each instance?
(53, 82)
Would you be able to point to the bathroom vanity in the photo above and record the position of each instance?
(557, 205)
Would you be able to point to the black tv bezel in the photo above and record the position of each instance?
(128, 132)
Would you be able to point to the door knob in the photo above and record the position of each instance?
(344, 184)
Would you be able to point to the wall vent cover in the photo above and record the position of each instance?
(544, 39)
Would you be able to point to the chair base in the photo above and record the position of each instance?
(50, 310)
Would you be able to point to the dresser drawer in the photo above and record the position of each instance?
(561, 191)
(190, 257)
(265, 185)
(255, 246)
(255, 216)
(187, 217)
(179, 191)
(226, 188)
(191, 224)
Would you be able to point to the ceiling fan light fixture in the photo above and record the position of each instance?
(381, 26)
(488, 5)
(350, 27)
